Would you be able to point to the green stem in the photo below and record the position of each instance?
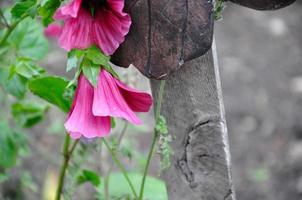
(4, 19)
(66, 157)
(120, 166)
(155, 136)
(10, 30)
(107, 176)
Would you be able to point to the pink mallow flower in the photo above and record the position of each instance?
(93, 106)
(93, 22)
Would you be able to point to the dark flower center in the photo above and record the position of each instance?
(93, 5)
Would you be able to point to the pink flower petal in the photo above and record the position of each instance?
(77, 32)
(53, 30)
(109, 101)
(81, 121)
(136, 100)
(69, 10)
(117, 6)
(110, 30)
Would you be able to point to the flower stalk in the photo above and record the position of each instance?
(120, 166)
(107, 176)
(155, 137)
(66, 157)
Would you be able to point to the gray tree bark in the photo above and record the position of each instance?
(194, 110)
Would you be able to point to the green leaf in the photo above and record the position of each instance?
(96, 56)
(28, 40)
(218, 10)
(47, 10)
(74, 57)
(91, 71)
(23, 7)
(155, 189)
(28, 114)
(28, 69)
(13, 83)
(51, 89)
(109, 69)
(9, 149)
(89, 176)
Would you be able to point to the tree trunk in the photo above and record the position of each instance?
(193, 107)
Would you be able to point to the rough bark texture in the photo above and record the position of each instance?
(264, 4)
(194, 110)
(165, 34)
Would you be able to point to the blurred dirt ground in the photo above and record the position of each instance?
(260, 56)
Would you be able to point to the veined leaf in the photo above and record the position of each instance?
(28, 114)
(13, 83)
(23, 7)
(91, 71)
(47, 10)
(28, 40)
(27, 68)
(51, 89)
(96, 56)
(89, 176)
(74, 57)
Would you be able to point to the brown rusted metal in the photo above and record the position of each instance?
(264, 4)
(165, 34)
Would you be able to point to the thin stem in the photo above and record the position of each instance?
(10, 29)
(4, 19)
(66, 157)
(107, 176)
(73, 146)
(155, 136)
(120, 166)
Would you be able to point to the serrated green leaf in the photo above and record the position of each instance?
(155, 189)
(89, 176)
(74, 57)
(75, 78)
(23, 7)
(47, 10)
(90, 71)
(28, 114)
(96, 56)
(28, 40)
(51, 89)
(109, 69)
(13, 83)
(28, 69)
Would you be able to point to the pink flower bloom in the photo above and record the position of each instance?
(113, 98)
(81, 121)
(106, 27)
(53, 30)
(93, 107)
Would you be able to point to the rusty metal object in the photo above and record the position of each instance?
(165, 34)
(264, 4)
